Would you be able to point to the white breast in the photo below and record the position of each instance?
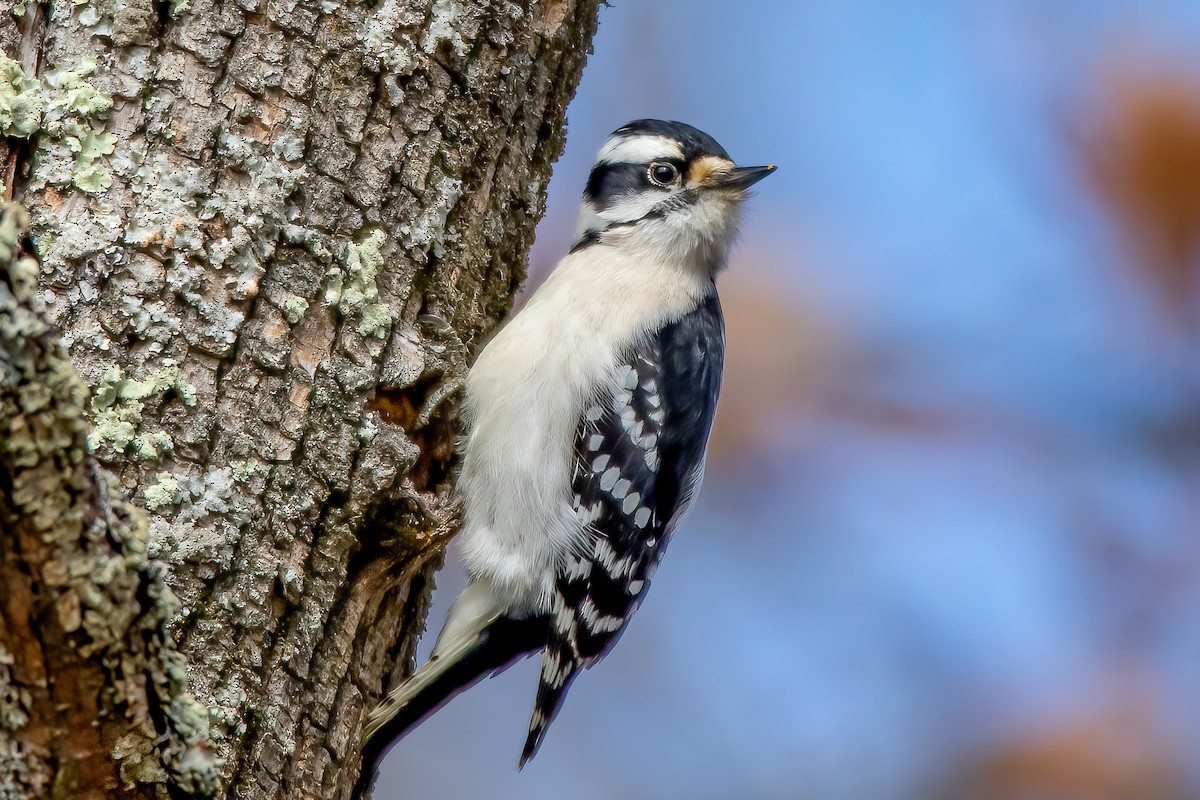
(524, 396)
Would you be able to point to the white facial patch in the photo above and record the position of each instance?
(624, 209)
(630, 207)
(588, 220)
(638, 149)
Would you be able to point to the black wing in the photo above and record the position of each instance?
(639, 456)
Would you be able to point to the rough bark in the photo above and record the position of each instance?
(241, 208)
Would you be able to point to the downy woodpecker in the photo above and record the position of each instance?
(586, 420)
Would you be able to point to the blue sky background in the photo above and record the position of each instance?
(949, 543)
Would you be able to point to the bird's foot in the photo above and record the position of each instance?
(448, 345)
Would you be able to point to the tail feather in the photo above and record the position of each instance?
(457, 667)
(559, 668)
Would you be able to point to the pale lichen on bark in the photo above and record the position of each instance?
(67, 113)
(293, 182)
(79, 588)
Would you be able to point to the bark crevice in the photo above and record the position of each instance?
(268, 196)
(92, 686)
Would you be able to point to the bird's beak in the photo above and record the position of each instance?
(742, 177)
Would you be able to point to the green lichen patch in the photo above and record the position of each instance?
(162, 492)
(90, 175)
(352, 290)
(374, 320)
(107, 594)
(72, 98)
(117, 405)
(66, 112)
(21, 100)
(243, 470)
(294, 307)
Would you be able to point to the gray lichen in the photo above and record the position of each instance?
(386, 43)
(21, 100)
(67, 113)
(166, 214)
(241, 470)
(429, 231)
(294, 307)
(447, 24)
(402, 144)
(204, 529)
(254, 205)
(351, 287)
(108, 595)
(16, 769)
(162, 492)
(116, 411)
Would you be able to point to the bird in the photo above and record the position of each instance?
(586, 421)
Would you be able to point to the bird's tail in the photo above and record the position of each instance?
(470, 648)
(559, 668)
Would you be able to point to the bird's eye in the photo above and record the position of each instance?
(663, 174)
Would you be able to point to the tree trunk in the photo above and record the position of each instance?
(218, 514)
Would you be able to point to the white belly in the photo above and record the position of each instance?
(523, 400)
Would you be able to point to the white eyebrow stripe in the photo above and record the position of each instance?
(638, 149)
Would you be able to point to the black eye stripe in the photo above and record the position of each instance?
(609, 181)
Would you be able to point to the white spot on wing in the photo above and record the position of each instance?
(605, 555)
(609, 478)
(631, 502)
(590, 514)
(622, 400)
(578, 568)
(597, 621)
(641, 517)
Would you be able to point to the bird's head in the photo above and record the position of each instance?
(665, 192)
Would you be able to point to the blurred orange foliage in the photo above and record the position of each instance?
(777, 351)
(1117, 752)
(1140, 151)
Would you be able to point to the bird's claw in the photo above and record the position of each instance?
(449, 345)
